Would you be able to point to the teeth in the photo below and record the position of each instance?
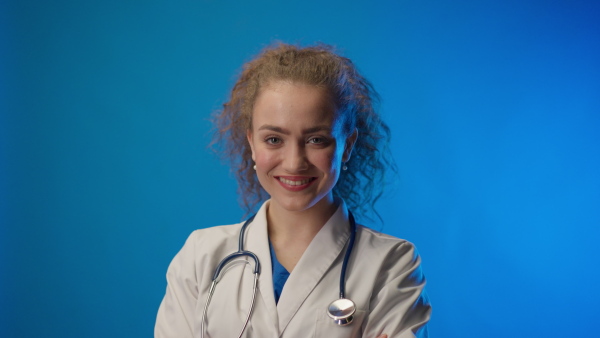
(290, 182)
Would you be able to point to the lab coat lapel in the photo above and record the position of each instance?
(324, 249)
(257, 241)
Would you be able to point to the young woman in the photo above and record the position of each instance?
(301, 131)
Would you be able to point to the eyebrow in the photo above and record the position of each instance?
(287, 132)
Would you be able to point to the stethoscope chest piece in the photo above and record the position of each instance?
(342, 311)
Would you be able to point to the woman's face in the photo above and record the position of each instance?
(297, 144)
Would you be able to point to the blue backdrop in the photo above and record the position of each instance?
(494, 108)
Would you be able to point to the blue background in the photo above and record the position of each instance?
(104, 170)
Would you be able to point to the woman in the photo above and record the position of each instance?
(300, 129)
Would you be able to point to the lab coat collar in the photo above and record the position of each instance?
(257, 241)
(321, 253)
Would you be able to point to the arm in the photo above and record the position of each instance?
(177, 309)
(399, 306)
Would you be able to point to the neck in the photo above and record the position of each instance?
(290, 224)
(291, 232)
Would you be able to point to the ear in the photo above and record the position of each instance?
(350, 141)
(249, 137)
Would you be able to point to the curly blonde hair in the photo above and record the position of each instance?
(362, 183)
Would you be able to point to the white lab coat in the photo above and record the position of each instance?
(383, 278)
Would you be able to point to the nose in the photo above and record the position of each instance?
(294, 158)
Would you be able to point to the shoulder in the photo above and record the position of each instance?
(392, 257)
(383, 244)
(217, 233)
(204, 244)
(398, 303)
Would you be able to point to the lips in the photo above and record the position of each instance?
(295, 183)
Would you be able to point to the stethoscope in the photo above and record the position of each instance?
(340, 310)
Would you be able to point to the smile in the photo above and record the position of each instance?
(295, 183)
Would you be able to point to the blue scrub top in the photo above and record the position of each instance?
(280, 274)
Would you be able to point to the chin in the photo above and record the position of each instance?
(300, 203)
(295, 205)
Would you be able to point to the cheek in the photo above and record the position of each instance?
(327, 162)
(265, 159)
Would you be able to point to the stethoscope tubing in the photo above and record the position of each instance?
(241, 253)
(215, 279)
(347, 255)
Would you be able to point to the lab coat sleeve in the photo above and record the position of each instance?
(399, 306)
(175, 316)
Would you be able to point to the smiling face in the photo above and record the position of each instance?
(298, 145)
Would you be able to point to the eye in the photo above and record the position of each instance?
(318, 140)
(273, 140)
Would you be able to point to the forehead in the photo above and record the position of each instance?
(294, 104)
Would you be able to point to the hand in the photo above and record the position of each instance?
(383, 336)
